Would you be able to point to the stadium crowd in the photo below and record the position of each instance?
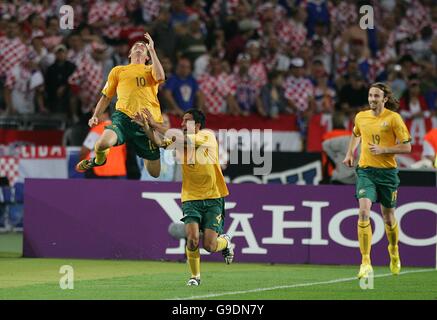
(226, 56)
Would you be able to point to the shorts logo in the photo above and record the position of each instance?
(362, 191)
(394, 195)
(218, 218)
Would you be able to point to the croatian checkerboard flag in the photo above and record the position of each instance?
(42, 162)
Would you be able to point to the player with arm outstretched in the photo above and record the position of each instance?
(203, 187)
(136, 86)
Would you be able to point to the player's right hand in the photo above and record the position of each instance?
(93, 121)
(349, 161)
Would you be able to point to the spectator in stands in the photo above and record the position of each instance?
(237, 43)
(116, 161)
(320, 53)
(335, 144)
(107, 17)
(421, 48)
(193, 44)
(163, 34)
(413, 103)
(318, 13)
(299, 91)
(396, 80)
(44, 58)
(24, 85)
(13, 50)
(358, 54)
(57, 89)
(76, 47)
(52, 36)
(257, 70)
(179, 12)
(181, 90)
(274, 59)
(408, 66)
(429, 86)
(86, 81)
(430, 147)
(292, 31)
(272, 96)
(353, 96)
(324, 94)
(216, 90)
(245, 87)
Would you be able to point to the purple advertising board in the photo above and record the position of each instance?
(121, 219)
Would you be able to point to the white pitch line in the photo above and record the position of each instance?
(308, 284)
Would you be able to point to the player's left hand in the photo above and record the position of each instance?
(149, 117)
(375, 149)
(150, 45)
(140, 119)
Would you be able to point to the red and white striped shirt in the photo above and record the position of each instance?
(299, 91)
(88, 77)
(106, 12)
(12, 52)
(292, 34)
(215, 89)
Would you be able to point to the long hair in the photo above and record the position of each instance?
(392, 103)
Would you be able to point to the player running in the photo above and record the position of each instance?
(136, 86)
(383, 134)
(203, 188)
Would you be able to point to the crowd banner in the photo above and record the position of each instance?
(94, 219)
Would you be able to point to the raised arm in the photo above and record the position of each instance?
(157, 69)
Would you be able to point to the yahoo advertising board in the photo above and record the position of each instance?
(123, 219)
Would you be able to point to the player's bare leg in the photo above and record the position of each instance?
(193, 254)
(365, 237)
(213, 242)
(153, 167)
(392, 232)
(105, 142)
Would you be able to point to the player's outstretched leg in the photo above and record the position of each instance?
(101, 149)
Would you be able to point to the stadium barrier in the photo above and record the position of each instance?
(70, 218)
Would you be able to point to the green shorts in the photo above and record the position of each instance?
(127, 130)
(378, 185)
(209, 213)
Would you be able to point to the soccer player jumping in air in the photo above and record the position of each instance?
(136, 85)
(383, 134)
(203, 187)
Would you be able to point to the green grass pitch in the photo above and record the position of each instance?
(23, 278)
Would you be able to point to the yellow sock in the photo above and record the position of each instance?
(101, 155)
(193, 258)
(365, 240)
(222, 243)
(392, 233)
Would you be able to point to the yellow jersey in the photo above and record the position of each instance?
(202, 176)
(136, 89)
(385, 130)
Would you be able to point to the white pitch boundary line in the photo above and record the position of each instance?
(298, 285)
